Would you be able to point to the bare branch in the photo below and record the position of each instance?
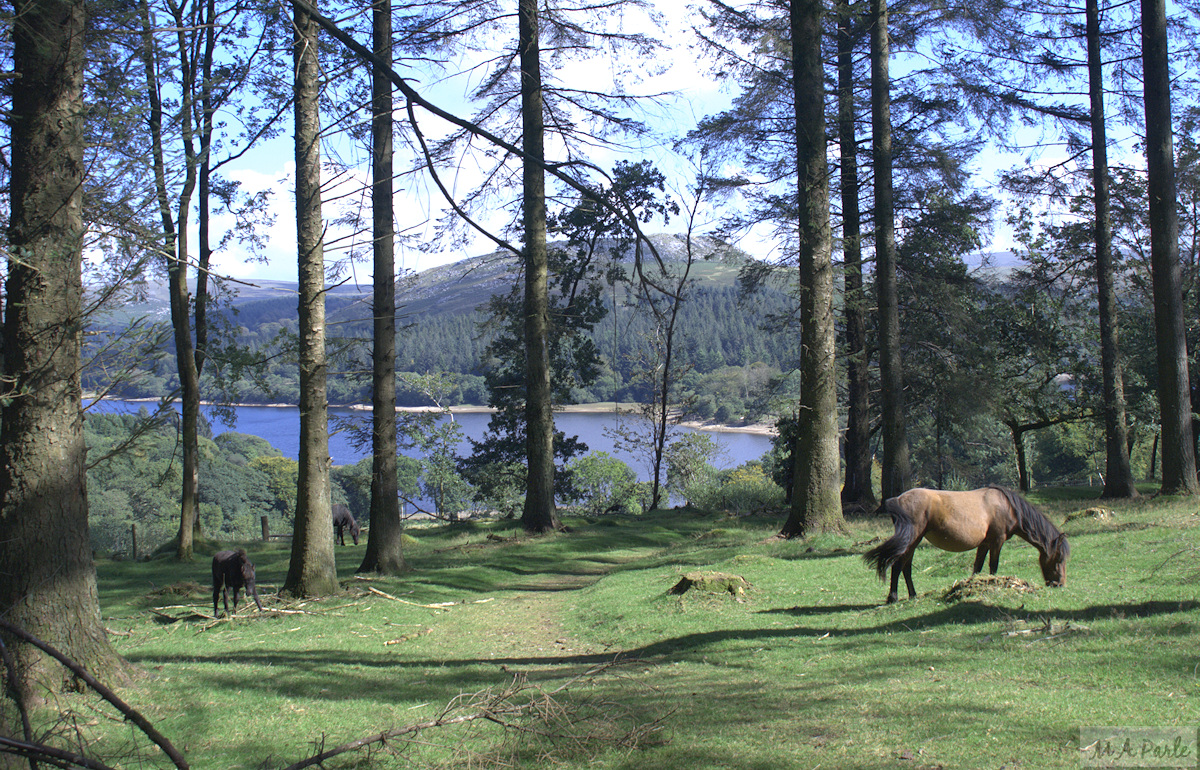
(126, 710)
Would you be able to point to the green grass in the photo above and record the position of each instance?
(809, 669)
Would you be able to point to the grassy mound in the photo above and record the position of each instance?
(982, 586)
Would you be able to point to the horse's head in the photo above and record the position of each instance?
(355, 529)
(1054, 561)
(249, 581)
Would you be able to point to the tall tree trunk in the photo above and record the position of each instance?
(896, 470)
(47, 577)
(204, 217)
(181, 310)
(385, 553)
(539, 513)
(189, 382)
(1174, 393)
(204, 193)
(1118, 477)
(668, 323)
(175, 248)
(312, 571)
(816, 497)
(857, 491)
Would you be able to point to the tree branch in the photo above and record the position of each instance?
(126, 710)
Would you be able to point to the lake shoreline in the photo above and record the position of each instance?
(758, 429)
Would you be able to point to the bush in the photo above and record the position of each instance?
(747, 488)
(730, 411)
(689, 463)
(601, 483)
(500, 487)
(742, 490)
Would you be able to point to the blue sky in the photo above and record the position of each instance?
(695, 93)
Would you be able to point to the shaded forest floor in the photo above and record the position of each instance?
(569, 650)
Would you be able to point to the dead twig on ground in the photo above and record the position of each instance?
(506, 708)
(130, 713)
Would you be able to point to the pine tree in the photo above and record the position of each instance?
(816, 495)
(47, 577)
(384, 552)
(1174, 389)
(311, 570)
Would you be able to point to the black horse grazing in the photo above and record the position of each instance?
(959, 521)
(343, 520)
(231, 570)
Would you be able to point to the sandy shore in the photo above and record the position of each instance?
(761, 428)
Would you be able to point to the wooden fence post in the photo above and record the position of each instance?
(266, 528)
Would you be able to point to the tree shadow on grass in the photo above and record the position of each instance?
(971, 612)
(297, 673)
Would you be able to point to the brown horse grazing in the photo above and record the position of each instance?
(231, 571)
(959, 521)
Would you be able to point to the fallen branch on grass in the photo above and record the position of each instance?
(435, 606)
(506, 707)
(130, 713)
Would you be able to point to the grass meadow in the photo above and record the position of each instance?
(569, 651)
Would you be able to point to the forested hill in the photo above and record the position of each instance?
(733, 345)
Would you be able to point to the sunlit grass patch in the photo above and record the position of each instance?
(806, 667)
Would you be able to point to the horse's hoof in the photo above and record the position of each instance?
(892, 599)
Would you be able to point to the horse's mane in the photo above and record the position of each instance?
(1038, 529)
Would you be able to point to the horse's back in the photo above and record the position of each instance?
(953, 520)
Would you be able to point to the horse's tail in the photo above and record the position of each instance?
(889, 551)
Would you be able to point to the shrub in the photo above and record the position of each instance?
(689, 465)
(601, 483)
(742, 490)
(747, 488)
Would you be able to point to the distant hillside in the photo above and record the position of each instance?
(443, 332)
(463, 286)
(451, 289)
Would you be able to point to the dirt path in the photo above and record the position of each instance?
(528, 625)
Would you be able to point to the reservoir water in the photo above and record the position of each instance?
(280, 425)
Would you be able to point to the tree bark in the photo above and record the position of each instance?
(896, 470)
(385, 553)
(816, 498)
(539, 514)
(1118, 476)
(47, 577)
(311, 571)
(1174, 392)
(857, 492)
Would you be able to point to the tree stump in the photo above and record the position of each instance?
(1099, 514)
(711, 582)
